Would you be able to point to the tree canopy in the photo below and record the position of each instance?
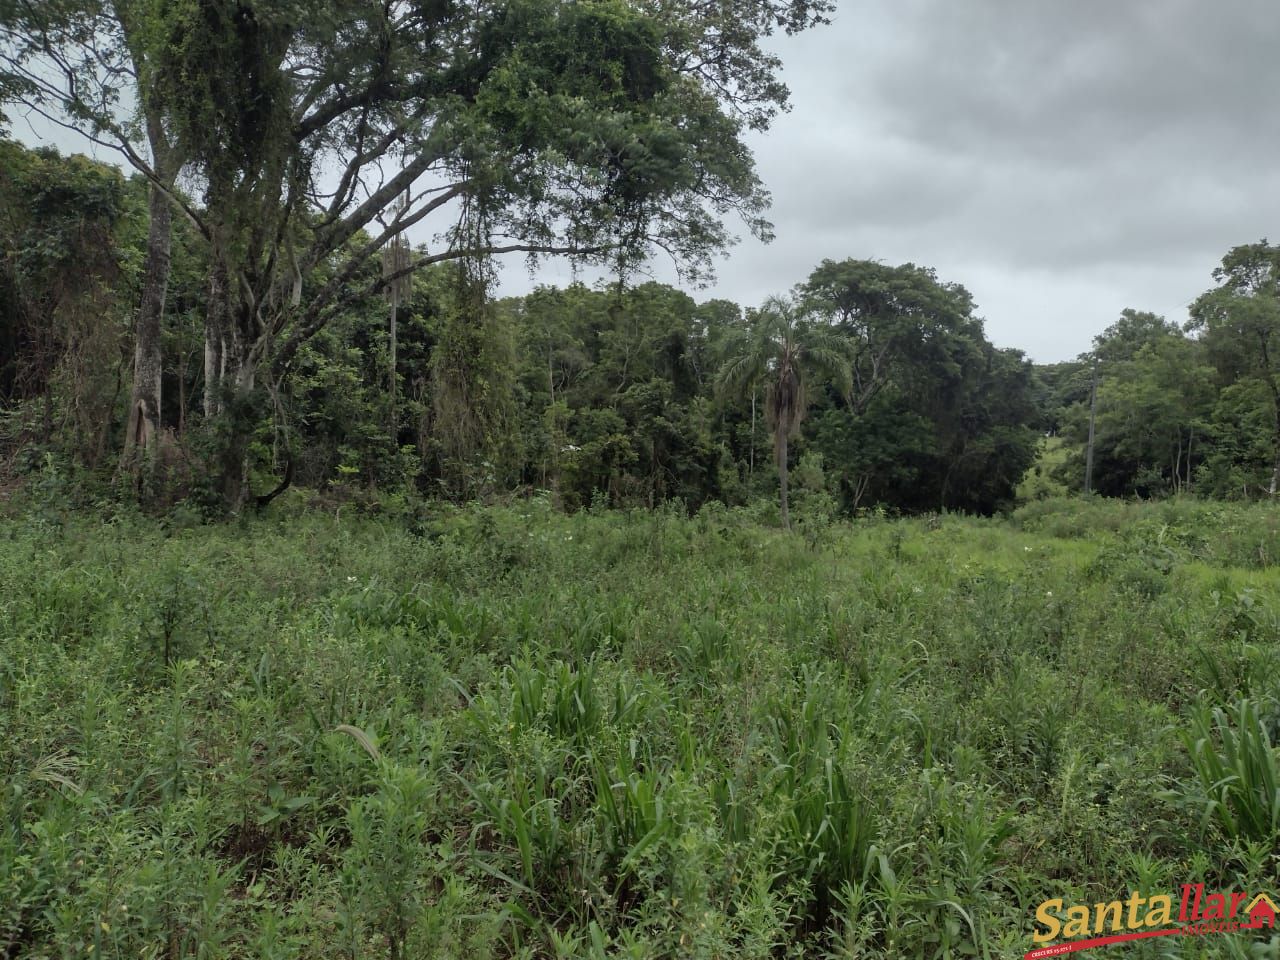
(602, 130)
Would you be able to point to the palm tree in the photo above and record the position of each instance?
(783, 348)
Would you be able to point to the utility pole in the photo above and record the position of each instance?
(1093, 415)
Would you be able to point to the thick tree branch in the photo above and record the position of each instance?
(339, 232)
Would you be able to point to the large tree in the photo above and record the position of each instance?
(937, 418)
(602, 130)
(891, 315)
(782, 352)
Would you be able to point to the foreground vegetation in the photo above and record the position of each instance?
(510, 732)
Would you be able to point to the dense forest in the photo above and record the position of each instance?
(616, 393)
(629, 393)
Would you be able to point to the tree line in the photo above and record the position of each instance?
(877, 380)
(1191, 408)
(243, 311)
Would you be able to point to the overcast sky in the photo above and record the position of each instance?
(1063, 159)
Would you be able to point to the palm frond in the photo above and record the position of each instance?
(744, 370)
(831, 354)
(782, 348)
(834, 364)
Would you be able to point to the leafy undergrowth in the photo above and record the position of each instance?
(507, 732)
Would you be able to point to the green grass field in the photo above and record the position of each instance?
(507, 732)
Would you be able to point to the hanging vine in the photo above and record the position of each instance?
(472, 380)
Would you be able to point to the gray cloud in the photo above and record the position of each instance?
(1062, 160)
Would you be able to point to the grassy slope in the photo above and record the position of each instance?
(617, 735)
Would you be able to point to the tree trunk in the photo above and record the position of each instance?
(235, 472)
(393, 424)
(148, 355)
(230, 369)
(148, 358)
(215, 335)
(1093, 413)
(1275, 470)
(782, 477)
(144, 421)
(182, 393)
(239, 377)
(1190, 443)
